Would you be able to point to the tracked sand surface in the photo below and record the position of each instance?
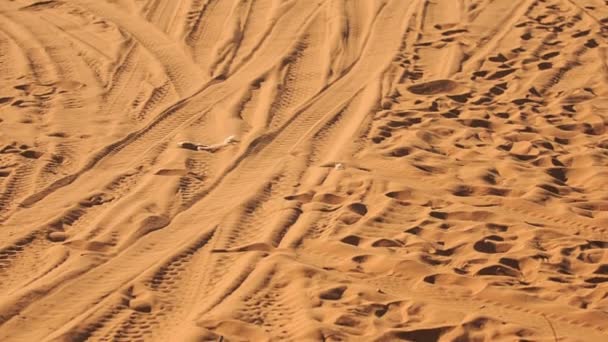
(252, 170)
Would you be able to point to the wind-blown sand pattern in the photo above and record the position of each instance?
(331, 170)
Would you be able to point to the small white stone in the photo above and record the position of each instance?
(230, 139)
(339, 167)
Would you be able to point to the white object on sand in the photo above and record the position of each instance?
(230, 140)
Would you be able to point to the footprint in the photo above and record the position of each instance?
(360, 258)
(31, 154)
(501, 73)
(481, 73)
(334, 293)
(400, 195)
(58, 135)
(414, 231)
(435, 87)
(497, 89)
(477, 123)
(351, 240)
(358, 208)
(24, 103)
(581, 34)
(550, 55)
(499, 270)
(256, 246)
(492, 244)
(451, 114)
(602, 269)
(386, 243)
(347, 321)
(400, 152)
(596, 280)
(500, 58)
(452, 32)
(430, 334)
(545, 65)
(463, 191)
(510, 262)
(461, 98)
(171, 172)
(559, 173)
(497, 227)
(458, 281)
(328, 198)
(591, 43)
(303, 197)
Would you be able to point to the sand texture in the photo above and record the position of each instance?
(303, 170)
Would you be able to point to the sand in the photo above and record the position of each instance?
(303, 170)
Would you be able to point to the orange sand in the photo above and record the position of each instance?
(304, 170)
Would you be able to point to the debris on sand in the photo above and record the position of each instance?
(189, 145)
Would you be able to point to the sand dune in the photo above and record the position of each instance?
(294, 170)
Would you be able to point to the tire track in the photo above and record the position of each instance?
(135, 255)
(161, 128)
(184, 74)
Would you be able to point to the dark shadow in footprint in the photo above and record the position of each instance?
(550, 55)
(351, 240)
(358, 208)
(558, 173)
(581, 34)
(438, 215)
(31, 154)
(305, 197)
(477, 123)
(451, 114)
(427, 335)
(400, 152)
(451, 32)
(460, 98)
(414, 231)
(329, 198)
(463, 191)
(386, 243)
(500, 58)
(497, 227)
(400, 195)
(492, 244)
(591, 43)
(333, 293)
(596, 280)
(510, 262)
(501, 73)
(434, 87)
(499, 270)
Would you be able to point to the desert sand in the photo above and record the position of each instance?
(303, 170)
